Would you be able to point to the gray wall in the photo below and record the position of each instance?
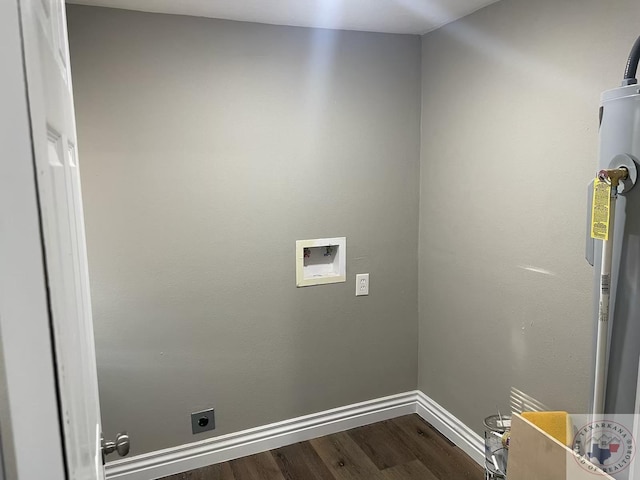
(207, 148)
(509, 143)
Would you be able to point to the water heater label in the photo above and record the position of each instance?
(600, 210)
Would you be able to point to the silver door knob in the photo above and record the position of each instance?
(121, 445)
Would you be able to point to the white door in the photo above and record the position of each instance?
(49, 92)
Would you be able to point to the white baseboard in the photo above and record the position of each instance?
(446, 423)
(179, 459)
(248, 442)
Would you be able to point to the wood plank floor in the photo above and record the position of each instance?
(405, 448)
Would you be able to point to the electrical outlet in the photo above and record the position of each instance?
(203, 421)
(362, 284)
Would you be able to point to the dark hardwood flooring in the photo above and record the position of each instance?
(405, 448)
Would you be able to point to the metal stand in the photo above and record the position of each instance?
(495, 453)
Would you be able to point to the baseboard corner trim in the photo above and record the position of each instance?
(451, 427)
(170, 461)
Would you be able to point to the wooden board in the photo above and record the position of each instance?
(534, 455)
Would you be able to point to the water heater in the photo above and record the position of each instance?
(620, 148)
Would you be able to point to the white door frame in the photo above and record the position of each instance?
(29, 415)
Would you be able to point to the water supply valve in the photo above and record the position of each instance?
(622, 173)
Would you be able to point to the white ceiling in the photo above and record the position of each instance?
(391, 16)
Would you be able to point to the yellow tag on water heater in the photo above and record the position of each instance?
(600, 210)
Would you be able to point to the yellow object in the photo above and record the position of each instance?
(600, 210)
(556, 424)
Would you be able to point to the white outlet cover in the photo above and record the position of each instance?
(362, 284)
